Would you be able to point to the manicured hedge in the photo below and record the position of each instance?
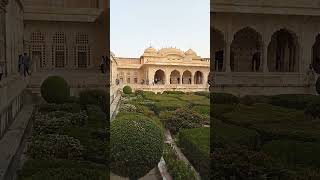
(136, 145)
(32, 169)
(68, 107)
(294, 153)
(195, 144)
(295, 101)
(203, 110)
(54, 146)
(230, 134)
(173, 92)
(181, 119)
(250, 100)
(237, 162)
(168, 106)
(177, 168)
(223, 98)
(313, 109)
(55, 90)
(261, 114)
(203, 93)
(218, 110)
(95, 97)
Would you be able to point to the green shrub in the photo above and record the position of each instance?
(31, 167)
(54, 146)
(96, 117)
(67, 107)
(55, 90)
(127, 90)
(181, 119)
(261, 114)
(294, 101)
(203, 110)
(223, 98)
(145, 110)
(73, 100)
(218, 110)
(237, 162)
(230, 134)
(44, 124)
(178, 169)
(136, 145)
(173, 92)
(313, 109)
(94, 97)
(294, 153)
(68, 174)
(195, 144)
(139, 92)
(127, 108)
(168, 106)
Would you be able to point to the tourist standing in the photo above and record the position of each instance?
(20, 63)
(103, 65)
(26, 64)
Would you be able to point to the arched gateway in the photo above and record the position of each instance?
(159, 77)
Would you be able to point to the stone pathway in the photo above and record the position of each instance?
(11, 141)
(114, 107)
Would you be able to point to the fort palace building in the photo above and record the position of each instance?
(265, 46)
(167, 69)
(62, 37)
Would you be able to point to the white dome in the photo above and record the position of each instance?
(190, 52)
(150, 50)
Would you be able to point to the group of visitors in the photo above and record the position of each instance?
(24, 64)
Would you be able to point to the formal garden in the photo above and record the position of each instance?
(69, 135)
(265, 137)
(139, 134)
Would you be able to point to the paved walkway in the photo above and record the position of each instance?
(114, 107)
(10, 142)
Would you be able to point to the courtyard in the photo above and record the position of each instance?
(182, 118)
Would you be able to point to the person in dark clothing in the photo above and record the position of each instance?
(1, 71)
(102, 65)
(26, 64)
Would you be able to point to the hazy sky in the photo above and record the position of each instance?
(135, 24)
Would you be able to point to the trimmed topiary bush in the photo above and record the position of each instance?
(127, 90)
(55, 90)
(136, 145)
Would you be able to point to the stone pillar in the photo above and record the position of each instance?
(181, 75)
(227, 56)
(265, 56)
